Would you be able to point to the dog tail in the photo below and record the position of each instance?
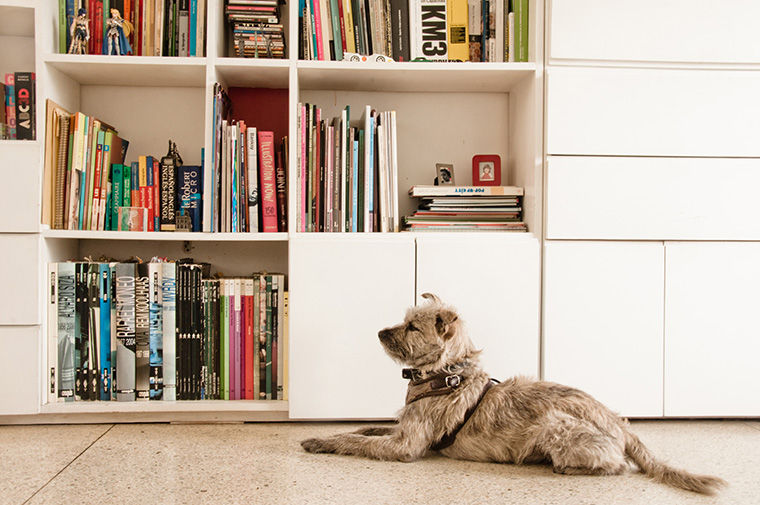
(660, 472)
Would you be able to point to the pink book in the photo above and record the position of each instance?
(303, 168)
(268, 194)
(318, 28)
(233, 341)
(239, 375)
(235, 325)
(328, 193)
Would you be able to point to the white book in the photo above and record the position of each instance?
(200, 36)
(169, 301)
(394, 169)
(367, 165)
(343, 169)
(499, 46)
(253, 178)
(511, 35)
(429, 38)
(384, 186)
(52, 324)
(184, 32)
(326, 27)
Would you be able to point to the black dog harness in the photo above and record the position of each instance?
(440, 384)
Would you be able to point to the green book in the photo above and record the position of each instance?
(117, 184)
(269, 338)
(521, 30)
(360, 187)
(224, 326)
(62, 28)
(126, 186)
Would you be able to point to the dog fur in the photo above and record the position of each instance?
(518, 421)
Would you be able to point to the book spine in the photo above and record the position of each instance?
(262, 344)
(190, 194)
(216, 343)
(25, 109)
(148, 191)
(267, 176)
(125, 331)
(197, 330)
(201, 29)
(249, 320)
(66, 330)
(253, 179)
(103, 180)
(280, 338)
(286, 344)
(169, 333)
(237, 332)
(269, 328)
(114, 340)
(180, 331)
(156, 332)
(224, 325)
(355, 187)
(80, 325)
(10, 105)
(52, 321)
(156, 196)
(336, 29)
(282, 191)
(362, 179)
(348, 26)
(521, 30)
(93, 332)
(126, 187)
(168, 193)
(183, 28)
(117, 196)
(193, 28)
(142, 332)
(105, 331)
(63, 28)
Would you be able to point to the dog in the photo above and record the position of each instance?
(451, 407)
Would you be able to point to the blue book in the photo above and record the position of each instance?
(355, 188)
(190, 191)
(156, 336)
(104, 272)
(370, 173)
(193, 26)
(235, 185)
(70, 15)
(135, 183)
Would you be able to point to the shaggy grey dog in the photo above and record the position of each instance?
(517, 421)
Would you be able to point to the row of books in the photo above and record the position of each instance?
(164, 331)
(256, 28)
(347, 175)
(90, 186)
(249, 181)
(17, 113)
(157, 27)
(405, 30)
(467, 208)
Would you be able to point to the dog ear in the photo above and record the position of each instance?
(430, 296)
(444, 322)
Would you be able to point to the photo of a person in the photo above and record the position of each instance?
(445, 173)
(486, 171)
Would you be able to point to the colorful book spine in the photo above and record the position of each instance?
(262, 346)
(148, 192)
(24, 103)
(10, 105)
(267, 175)
(104, 272)
(117, 185)
(169, 332)
(190, 194)
(269, 328)
(142, 332)
(66, 330)
(256, 333)
(156, 332)
(224, 322)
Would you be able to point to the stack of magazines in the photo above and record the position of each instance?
(256, 28)
(467, 208)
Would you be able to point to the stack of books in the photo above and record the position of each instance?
(17, 110)
(467, 208)
(256, 28)
(164, 330)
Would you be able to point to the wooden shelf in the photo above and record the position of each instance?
(254, 73)
(130, 70)
(164, 236)
(99, 407)
(421, 77)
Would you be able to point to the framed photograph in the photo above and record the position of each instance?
(444, 174)
(486, 170)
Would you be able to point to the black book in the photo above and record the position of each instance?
(368, 29)
(322, 157)
(142, 332)
(197, 330)
(400, 30)
(180, 344)
(81, 325)
(25, 108)
(93, 333)
(168, 175)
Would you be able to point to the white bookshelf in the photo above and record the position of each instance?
(446, 113)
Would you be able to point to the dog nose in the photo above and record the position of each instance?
(384, 334)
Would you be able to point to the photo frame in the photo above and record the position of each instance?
(444, 174)
(486, 170)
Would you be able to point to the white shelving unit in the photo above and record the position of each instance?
(446, 113)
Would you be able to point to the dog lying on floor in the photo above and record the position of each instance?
(451, 407)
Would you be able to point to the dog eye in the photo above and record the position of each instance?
(412, 327)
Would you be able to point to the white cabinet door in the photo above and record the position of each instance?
(19, 369)
(603, 322)
(655, 30)
(712, 329)
(20, 191)
(19, 278)
(343, 290)
(652, 112)
(493, 281)
(610, 197)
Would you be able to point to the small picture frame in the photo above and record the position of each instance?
(444, 174)
(486, 170)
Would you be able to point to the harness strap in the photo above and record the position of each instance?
(449, 438)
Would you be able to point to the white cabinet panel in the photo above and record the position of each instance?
(343, 290)
(603, 322)
(668, 112)
(712, 329)
(493, 281)
(19, 369)
(19, 277)
(652, 198)
(655, 30)
(19, 193)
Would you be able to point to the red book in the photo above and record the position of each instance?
(156, 197)
(97, 34)
(268, 184)
(149, 192)
(317, 189)
(248, 325)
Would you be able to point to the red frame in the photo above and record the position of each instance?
(480, 158)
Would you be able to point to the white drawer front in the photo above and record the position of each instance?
(655, 30)
(19, 369)
(19, 279)
(20, 193)
(632, 111)
(652, 198)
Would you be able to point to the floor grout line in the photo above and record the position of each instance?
(67, 465)
(753, 425)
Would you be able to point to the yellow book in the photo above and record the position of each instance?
(142, 174)
(348, 20)
(459, 45)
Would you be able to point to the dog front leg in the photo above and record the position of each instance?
(397, 446)
(376, 431)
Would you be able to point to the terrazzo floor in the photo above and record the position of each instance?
(151, 464)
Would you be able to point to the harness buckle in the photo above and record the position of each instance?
(453, 381)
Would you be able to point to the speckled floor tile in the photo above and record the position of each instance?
(31, 455)
(264, 464)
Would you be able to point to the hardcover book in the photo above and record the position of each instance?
(268, 184)
(168, 334)
(156, 335)
(190, 192)
(125, 330)
(142, 332)
(66, 330)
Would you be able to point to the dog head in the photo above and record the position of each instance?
(431, 337)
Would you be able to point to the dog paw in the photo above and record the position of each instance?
(315, 445)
